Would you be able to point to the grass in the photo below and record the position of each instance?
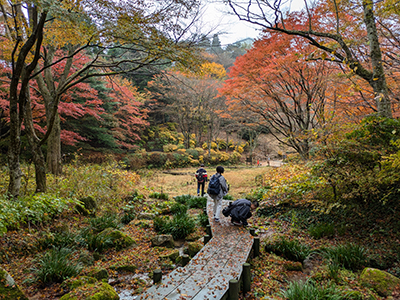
(350, 256)
(289, 249)
(55, 266)
(311, 290)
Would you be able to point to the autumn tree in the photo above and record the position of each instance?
(273, 86)
(150, 33)
(192, 99)
(334, 29)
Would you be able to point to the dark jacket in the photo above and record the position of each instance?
(241, 210)
(204, 179)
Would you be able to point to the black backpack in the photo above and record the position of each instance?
(214, 186)
(200, 175)
(227, 210)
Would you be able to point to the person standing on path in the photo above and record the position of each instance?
(217, 189)
(201, 176)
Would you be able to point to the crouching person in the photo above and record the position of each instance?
(241, 211)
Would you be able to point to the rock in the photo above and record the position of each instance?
(382, 282)
(73, 283)
(293, 266)
(124, 268)
(146, 216)
(118, 239)
(88, 206)
(193, 248)
(8, 289)
(163, 240)
(172, 256)
(97, 290)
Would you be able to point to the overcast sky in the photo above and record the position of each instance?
(216, 16)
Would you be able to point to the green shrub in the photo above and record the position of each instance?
(157, 195)
(183, 199)
(202, 219)
(197, 202)
(56, 266)
(157, 159)
(180, 226)
(64, 239)
(320, 230)
(310, 290)
(129, 214)
(160, 224)
(193, 152)
(108, 220)
(350, 256)
(177, 208)
(289, 249)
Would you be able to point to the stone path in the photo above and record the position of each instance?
(208, 273)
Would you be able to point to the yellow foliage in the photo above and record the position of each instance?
(181, 151)
(214, 145)
(170, 148)
(239, 149)
(205, 146)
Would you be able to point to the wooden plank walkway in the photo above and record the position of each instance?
(208, 273)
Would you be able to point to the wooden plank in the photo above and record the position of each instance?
(207, 275)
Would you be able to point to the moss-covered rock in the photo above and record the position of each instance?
(293, 266)
(97, 291)
(119, 240)
(8, 289)
(171, 256)
(124, 268)
(88, 207)
(73, 283)
(382, 282)
(193, 248)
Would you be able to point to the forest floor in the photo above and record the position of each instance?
(19, 249)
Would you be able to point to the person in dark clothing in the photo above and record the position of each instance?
(201, 176)
(241, 211)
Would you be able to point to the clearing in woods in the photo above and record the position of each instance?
(182, 181)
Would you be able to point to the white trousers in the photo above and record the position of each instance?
(217, 207)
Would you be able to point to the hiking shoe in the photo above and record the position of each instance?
(216, 220)
(236, 223)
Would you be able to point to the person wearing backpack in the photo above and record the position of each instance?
(201, 176)
(240, 211)
(217, 189)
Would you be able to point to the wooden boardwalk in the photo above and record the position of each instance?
(208, 273)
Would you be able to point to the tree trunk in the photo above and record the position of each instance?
(14, 167)
(34, 142)
(54, 165)
(378, 80)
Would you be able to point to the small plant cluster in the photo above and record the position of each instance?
(289, 249)
(192, 201)
(180, 225)
(309, 289)
(157, 195)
